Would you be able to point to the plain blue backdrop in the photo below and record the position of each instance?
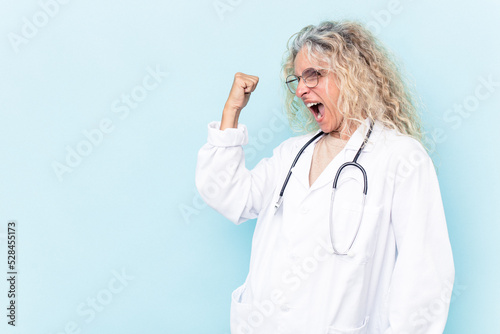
(104, 106)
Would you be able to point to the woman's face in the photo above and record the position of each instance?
(325, 94)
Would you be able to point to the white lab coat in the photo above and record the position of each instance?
(398, 276)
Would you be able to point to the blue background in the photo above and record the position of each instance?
(130, 206)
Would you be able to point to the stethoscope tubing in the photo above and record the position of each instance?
(280, 198)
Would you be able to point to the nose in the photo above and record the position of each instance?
(301, 89)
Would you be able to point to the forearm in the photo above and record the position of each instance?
(230, 118)
(243, 86)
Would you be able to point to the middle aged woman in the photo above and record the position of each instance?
(334, 260)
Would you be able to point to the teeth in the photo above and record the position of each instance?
(309, 105)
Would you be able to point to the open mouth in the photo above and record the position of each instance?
(318, 110)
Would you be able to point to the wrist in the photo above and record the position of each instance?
(229, 118)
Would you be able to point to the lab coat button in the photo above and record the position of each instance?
(304, 209)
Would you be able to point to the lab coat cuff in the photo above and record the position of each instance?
(227, 137)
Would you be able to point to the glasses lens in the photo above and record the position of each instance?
(292, 81)
(310, 77)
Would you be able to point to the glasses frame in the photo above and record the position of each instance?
(293, 77)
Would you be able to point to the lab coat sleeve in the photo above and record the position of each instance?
(423, 275)
(225, 183)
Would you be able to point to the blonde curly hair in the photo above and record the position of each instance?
(370, 81)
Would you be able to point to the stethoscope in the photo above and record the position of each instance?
(353, 163)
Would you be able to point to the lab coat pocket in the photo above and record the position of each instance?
(239, 312)
(358, 330)
(356, 226)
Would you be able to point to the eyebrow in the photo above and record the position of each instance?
(300, 73)
(317, 70)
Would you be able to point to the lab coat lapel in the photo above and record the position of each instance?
(328, 174)
(357, 139)
(347, 154)
(301, 170)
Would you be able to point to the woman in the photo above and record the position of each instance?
(348, 263)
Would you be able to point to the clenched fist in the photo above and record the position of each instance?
(243, 86)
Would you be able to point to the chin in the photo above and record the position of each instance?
(325, 128)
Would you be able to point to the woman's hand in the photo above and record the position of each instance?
(243, 86)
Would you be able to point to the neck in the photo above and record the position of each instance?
(337, 134)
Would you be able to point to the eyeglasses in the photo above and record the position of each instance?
(310, 77)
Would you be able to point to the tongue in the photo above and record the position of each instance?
(321, 110)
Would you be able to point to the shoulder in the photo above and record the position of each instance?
(293, 144)
(400, 152)
(396, 143)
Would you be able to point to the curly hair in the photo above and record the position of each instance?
(370, 81)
